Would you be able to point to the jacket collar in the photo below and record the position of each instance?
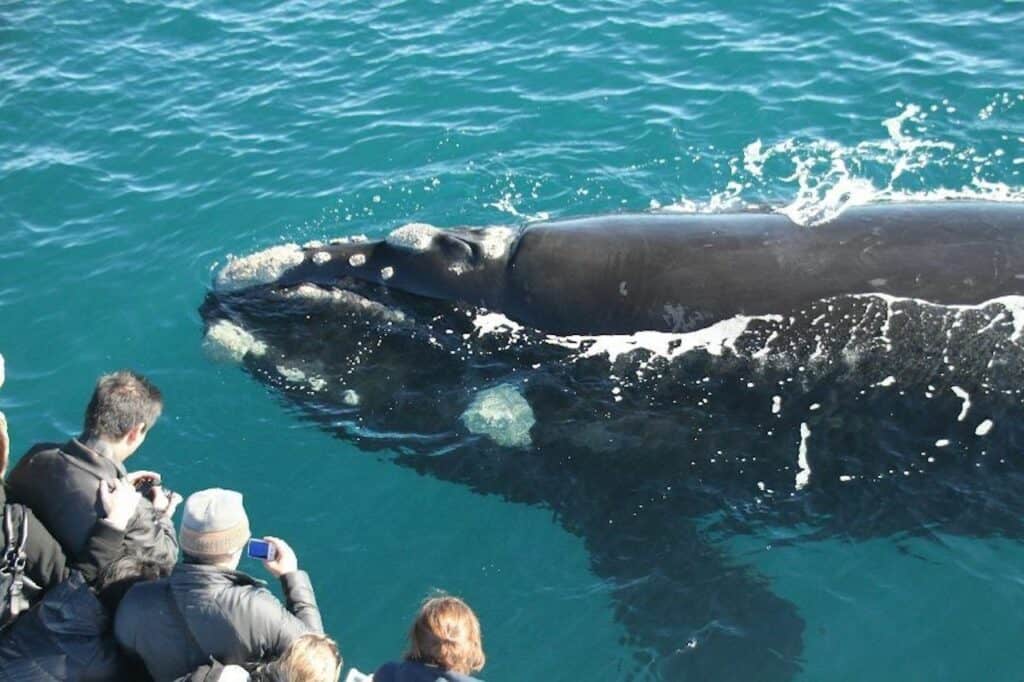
(195, 573)
(92, 461)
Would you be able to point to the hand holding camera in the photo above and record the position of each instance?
(275, 554)
(149, 485)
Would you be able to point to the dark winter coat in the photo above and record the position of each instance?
(47, 565)
(66, 637)
(60, 483)
(176, 624)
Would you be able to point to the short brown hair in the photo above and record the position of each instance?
(121, 401)
(310, 658)
(446, 633)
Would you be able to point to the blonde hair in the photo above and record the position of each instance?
(446, 633)
(310, 658)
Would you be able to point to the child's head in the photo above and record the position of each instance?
(447, 634)
(310, 658)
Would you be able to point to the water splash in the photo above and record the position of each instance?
(825, 177)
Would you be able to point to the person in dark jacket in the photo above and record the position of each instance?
(45, 562)
(310, 658)
(445, 645)
(207, 608)
(46, 565)
(67, 636)
(59, 482)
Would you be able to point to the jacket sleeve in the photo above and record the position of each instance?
(301, 600)
(45, 562)
(104, 546)
(151, 532)
(277, 626)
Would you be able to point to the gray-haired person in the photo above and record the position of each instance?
(207, 608)
(59, 482)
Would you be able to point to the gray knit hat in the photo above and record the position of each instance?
(214, 524)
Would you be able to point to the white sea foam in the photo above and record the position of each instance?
(803, 474)
(489, 323)
(262, 267)
(827, 177)
(225, 341)
(502, 414)
(966, 398)
(714, 339)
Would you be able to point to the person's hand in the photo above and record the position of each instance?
(164, 501)
(136, 476)
(120, 500)
(284, 562)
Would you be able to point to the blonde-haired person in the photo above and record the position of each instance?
(310, 658)
(445, 645)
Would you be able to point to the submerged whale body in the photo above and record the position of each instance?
(666, 383)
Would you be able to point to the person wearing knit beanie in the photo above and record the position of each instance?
(207, 608)
(214, 526)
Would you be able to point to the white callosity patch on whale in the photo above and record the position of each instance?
(412, 237)
(321, 257)
(502, 414)
(984, 428)
(803, 475)
(495, 241)
(294, 375)
(225, 341)
(357, 259)
(387, 273)
(350, 397)
(342, 298)
(262, 267)
(964, 396)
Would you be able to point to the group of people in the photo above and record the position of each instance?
(96, 585)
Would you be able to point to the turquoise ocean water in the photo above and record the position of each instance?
(141, 143)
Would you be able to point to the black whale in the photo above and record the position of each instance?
(822, 408)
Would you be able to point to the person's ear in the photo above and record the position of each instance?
(136, 433)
